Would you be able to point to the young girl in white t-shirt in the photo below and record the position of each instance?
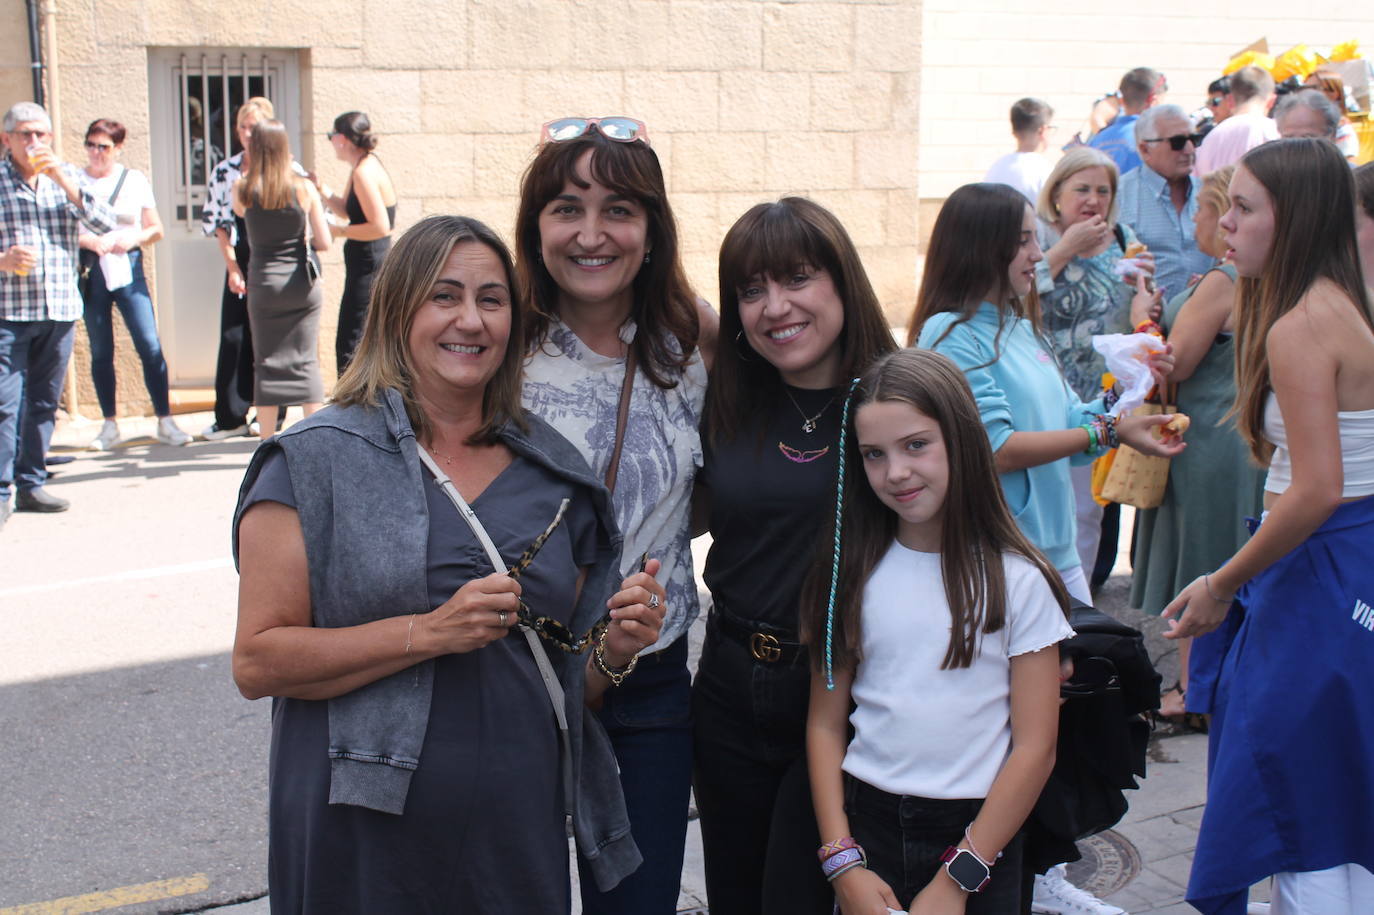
(945, 667)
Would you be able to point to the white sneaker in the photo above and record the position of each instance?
(213, 433)
(1055, 895)
(169, 433)
(109, 434)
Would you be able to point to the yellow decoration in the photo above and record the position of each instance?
(1247, 59)
(1346, 50)
(1299, 61)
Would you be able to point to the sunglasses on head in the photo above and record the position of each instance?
(619, 129)
(1178, 140)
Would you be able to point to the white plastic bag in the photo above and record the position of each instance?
(1128, 358)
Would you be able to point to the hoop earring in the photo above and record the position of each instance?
(741, 349)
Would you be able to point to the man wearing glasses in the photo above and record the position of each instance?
(42, 208)
(1159, 199)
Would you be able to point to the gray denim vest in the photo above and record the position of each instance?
(360, 497)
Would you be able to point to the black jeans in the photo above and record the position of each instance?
(758, 827)
(234, 364)
(904, 838)
(648, 721)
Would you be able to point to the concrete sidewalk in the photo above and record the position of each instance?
(1142, 865)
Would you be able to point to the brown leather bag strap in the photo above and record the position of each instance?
(622, 415)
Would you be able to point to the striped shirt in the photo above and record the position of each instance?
(1146, 205)
(44, 218)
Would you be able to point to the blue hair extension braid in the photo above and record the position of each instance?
(835, 561)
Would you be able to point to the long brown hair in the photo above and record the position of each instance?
(1313, 195)
(269, 182)
(665, 308)
(403, 284)
(977, 527)
(774, 239)
(975, 239)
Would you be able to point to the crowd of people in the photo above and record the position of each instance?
(466, 582)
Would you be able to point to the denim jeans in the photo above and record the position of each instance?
(758, 827)
(904, 838)
(648, 719)
(136, 306)
(33, 362)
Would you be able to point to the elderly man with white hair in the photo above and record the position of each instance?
(42, 206)
(1159, 199)
(1307, 113)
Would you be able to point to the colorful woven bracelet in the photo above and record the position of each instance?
(1110, 439)
(830, 877)
(830, 849)
(842, 861)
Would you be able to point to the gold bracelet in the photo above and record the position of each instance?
(1207, 583)
(616, 675)
(410, 629)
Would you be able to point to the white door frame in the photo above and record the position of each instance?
(190, 272)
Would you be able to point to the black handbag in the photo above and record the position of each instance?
(1103, 736)
(89, 260)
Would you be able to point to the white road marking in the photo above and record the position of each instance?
(185, 568)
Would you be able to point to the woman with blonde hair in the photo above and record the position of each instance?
(1082, 292)
(282, 211)
(1213, 486)
(1292, 632)
(425, 757)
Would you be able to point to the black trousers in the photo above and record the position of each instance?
(234, 366)
(758, 826)
(904, 838)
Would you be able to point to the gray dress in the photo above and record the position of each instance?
(483, 829)
(284, 301)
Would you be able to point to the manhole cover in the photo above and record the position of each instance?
(1109, 863)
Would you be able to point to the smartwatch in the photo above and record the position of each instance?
(965, 869)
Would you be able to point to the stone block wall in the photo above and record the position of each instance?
(745, 100)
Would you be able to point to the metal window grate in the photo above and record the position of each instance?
(211, 88)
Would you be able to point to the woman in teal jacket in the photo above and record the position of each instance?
(979, 307)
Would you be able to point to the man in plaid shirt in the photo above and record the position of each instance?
(41, 209)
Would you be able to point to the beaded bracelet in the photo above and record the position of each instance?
(1109, 426)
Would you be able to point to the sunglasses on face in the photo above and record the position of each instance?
(619, 129)
(1178, 140)
(103, 147)
(1215, 101)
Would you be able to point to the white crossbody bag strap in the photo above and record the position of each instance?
(546, 672)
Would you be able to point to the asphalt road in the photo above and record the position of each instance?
(131, 766)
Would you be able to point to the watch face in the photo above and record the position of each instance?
(968, 871)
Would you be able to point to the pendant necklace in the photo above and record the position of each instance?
(808, 422)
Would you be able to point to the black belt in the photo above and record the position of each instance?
(769, 647)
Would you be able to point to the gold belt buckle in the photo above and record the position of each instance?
(765, 647)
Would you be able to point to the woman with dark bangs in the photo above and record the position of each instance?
(1285, 673)
(620, 348)
(800, 318)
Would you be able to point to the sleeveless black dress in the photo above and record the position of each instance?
(362, 259)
